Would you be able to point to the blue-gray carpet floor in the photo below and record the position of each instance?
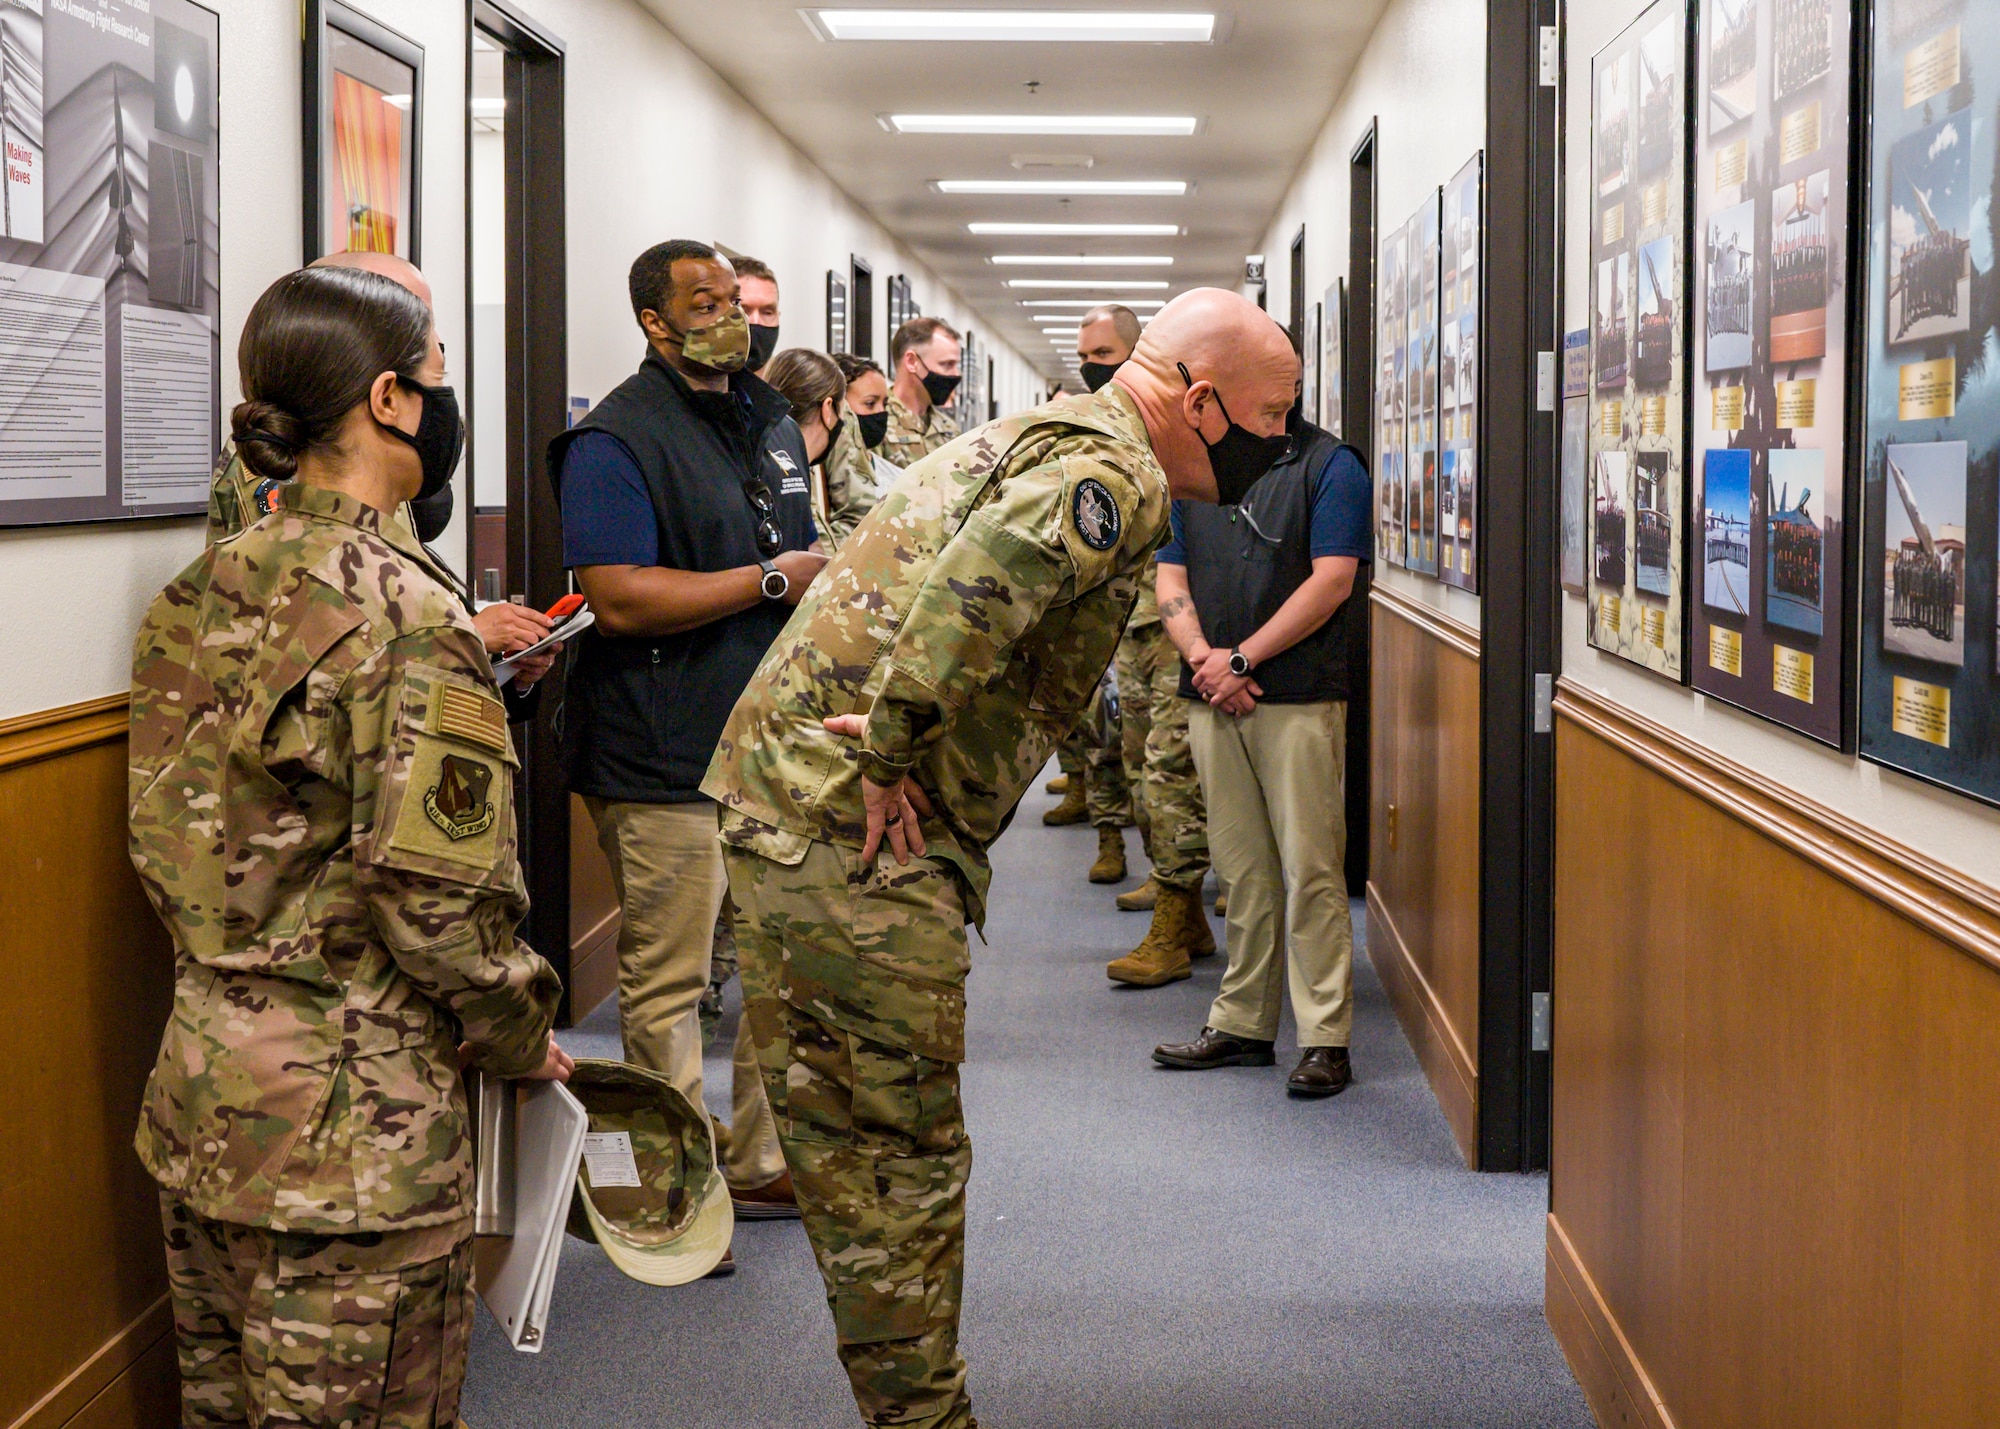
(1146, 1249)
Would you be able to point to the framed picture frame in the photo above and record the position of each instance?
(836, 312)
(1332, 354)
(1309, 354)
(363, 109)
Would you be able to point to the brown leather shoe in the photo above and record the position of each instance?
(775, 1202)
(1222, 905)
(724, 1268)
(1322, 1072)
(1110, 865)
(1072, 810)
(1214, 1049)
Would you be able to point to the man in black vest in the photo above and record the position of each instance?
(686, 517)
(1257, 599)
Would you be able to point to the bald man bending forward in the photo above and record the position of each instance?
(919, 687)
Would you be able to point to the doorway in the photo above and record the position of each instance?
(1358, 426)
(861, 309)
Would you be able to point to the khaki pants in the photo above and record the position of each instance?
(1277, 830)
(667, 868)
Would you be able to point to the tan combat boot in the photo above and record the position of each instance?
(1072, 809)
(1179, 932)
(1142, 898)
(1056, 785)
(1110, 865)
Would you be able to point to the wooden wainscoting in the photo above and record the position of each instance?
(1776, 1128)
(593, 916)
(1423, 889)
(86, 976)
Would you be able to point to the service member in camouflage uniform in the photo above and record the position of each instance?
(918, 689)
(321, 813)
(925, 355)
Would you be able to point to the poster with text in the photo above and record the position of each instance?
(1391, 392)
(109, 238)
(1309, 365)
(1420, 432)
(1772, 297)
(1638, 283)
(1930, 602)
(1458, 377)
(1332, 355)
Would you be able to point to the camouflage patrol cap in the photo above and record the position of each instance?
(674, 1226)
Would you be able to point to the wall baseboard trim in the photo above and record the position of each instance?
(1433, 622)
(44, 734)
(1941, 900)
(1447, 1065)
(1620, 1392)
(593, 966)
(112, 1358)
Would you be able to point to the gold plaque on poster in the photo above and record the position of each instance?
(1653, 206)
(1611, 419)
(1725, 409)
(1656, 627)
(1798, 135)
(1725, 650)
(1732, 164)
(1652, 416)
(1797, 403)
(1465, 560)
(1927, 390)
(1921, 711)
(1614, 224)
(1471, 291)
(1792, 672)
(1931, 68)
(1611, 613)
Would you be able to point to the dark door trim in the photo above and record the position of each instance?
(537, 409)
(1357, 421)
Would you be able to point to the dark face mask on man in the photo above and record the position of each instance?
(874, 427)
(439, 438)
(938, 385)
(1239, 457)
(763, 342)
(1096, 374)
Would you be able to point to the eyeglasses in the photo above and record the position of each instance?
(770, 540)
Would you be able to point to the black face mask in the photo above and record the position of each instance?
(763, 342)
(1240, 457)
(874, 427)
(431, 514)
(940, 386)
(1096, 374)
(440, 438)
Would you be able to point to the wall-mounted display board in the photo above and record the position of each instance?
(1638, 284)
(1420, 432)
(364, 111)
(902, 304)
(1929, 702)
(1771, 224)
(110, 298)
(968, 407)
(1309, 365)
(836, 312)
(1574, 467)
(1461, 242)
(1392, 356)
(1332, 355)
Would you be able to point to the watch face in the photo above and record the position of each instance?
(1239, 663)
(775, 585)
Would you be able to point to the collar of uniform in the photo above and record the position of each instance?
(902, 416)
(329, 505)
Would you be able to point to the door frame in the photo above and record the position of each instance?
(1357, 405)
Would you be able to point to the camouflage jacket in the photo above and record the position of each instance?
(238, 498)
(322, 814)
(850, 491)
(970, 617)
(912, 438)
(1147, 611)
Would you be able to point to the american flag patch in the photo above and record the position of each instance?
(472, 717)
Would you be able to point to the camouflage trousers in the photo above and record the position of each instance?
(278, 1328)
(854, 985)
(1158, 762)
(1091, 752)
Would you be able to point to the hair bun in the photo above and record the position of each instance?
(268, 438)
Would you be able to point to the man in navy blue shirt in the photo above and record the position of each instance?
(1256, 599)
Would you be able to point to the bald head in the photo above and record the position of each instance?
(1238, 362)
(396, 270)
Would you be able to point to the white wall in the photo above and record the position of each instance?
(1423, 79)
(658, 147)
(1949, 828)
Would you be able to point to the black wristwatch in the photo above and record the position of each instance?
(776, 585)
(1239, 663)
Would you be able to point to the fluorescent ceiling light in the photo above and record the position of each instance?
(1077, 230)
(1129, 26)
(1087, 303)
(1092, 284)
(1080, 260)
(1143, 125)
(1103, 188)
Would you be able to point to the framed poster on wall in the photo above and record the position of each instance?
(1460, 238)
(1420, 439)
(1332, 355)
(1392, 341)
(1309, 364)
(363, 150)
(110, 291)
(1638, 282)
(1773, 253)
(836, 312)
(1929, 703)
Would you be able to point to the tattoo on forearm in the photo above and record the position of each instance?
(1176, 607)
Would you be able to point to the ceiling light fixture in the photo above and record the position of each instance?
(1067, 188)
(1078, 260)
(1128, 26)
(1123, 285)
(1076, 230)
(1155, 126)
(1086, 303)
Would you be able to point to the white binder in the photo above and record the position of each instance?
(517, 1273)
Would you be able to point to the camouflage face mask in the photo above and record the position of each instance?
(722, 346)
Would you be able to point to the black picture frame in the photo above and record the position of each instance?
(328, 24)
(836, 312)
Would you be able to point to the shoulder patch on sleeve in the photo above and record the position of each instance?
(1094, 512)
(468, 715)
(447, 808)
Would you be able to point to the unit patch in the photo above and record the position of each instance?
(1096, 515)
(457, 803)
(267, 495)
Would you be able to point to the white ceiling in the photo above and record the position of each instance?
(1262, 91)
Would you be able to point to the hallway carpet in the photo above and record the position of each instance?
(1146, 1249)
